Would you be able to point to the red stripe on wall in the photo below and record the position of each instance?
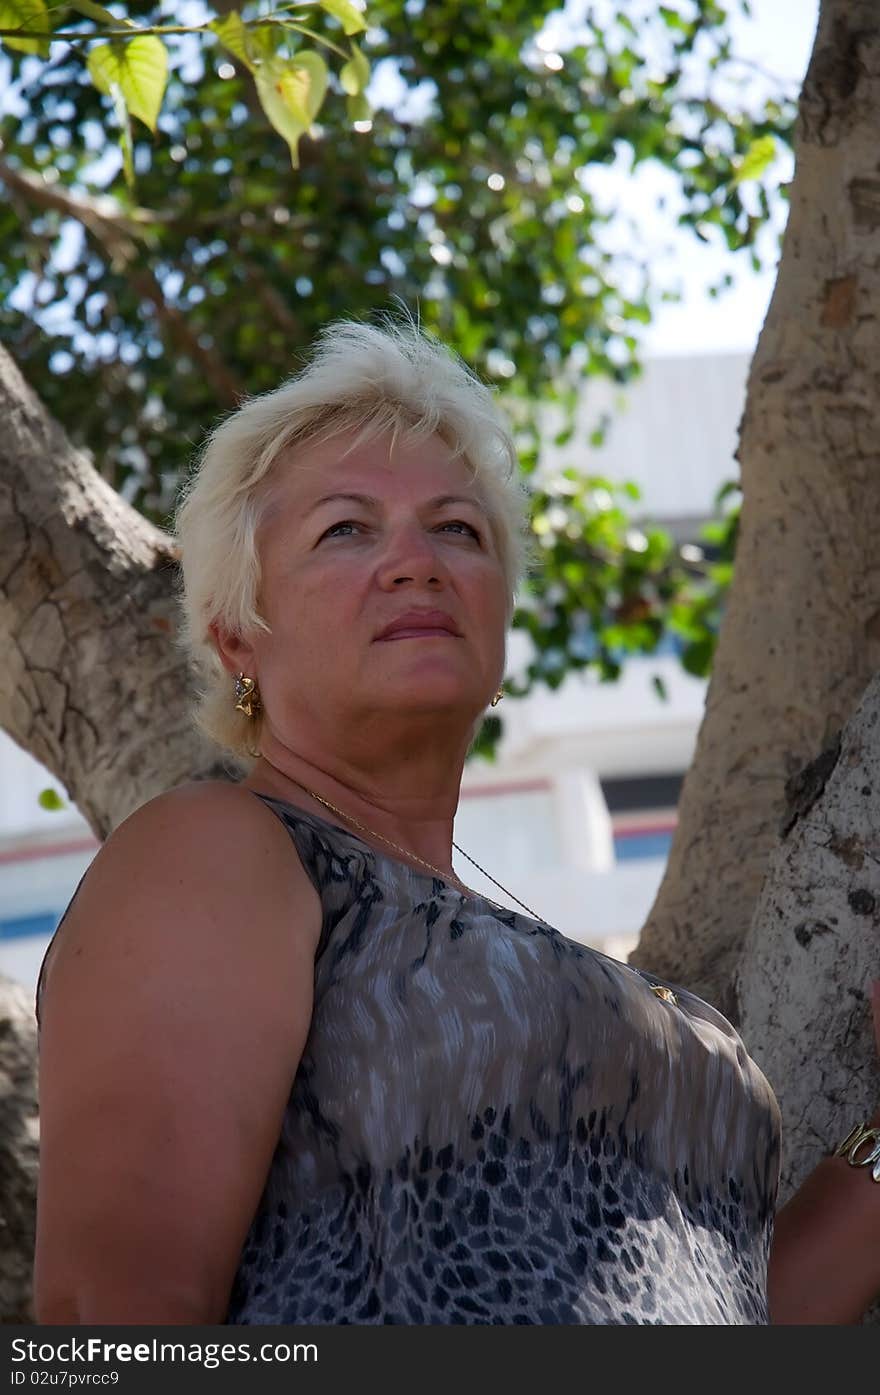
(44, 850)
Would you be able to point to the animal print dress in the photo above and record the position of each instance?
(493, 1124)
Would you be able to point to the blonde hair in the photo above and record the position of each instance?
(358, 377)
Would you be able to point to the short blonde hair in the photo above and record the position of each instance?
(358, 377)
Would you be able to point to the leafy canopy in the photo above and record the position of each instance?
(188, 199)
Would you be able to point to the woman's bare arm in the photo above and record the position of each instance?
(173, 1019)
(825, 1258)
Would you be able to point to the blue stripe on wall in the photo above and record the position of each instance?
(17, 927)
(631, 848)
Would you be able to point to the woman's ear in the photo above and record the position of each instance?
(235, 655)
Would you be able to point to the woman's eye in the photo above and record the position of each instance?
(350, 523)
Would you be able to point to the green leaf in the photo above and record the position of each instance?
(729, 487)
(29, 15)
(660, 687)
(291, 91)
(97, 12)
(358, 108)
(50, 799)
(355, 74)
(105, 74)
(126, 143)
(305, 80)
(233, 35)
(263, 41)
(139, 67)
(349, 17)
(697, 657)
(759, 155)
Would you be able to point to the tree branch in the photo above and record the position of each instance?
(118, 237)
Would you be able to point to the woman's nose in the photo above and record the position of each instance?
(412, 555)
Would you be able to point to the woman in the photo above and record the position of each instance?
(306, 1075)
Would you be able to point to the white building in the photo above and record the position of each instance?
(576, 814)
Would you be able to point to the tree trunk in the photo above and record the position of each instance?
(91, 687)
(19, 1151)
(812, 950)
(801, 636)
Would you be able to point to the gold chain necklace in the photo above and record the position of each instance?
(243, 688)
(661, 992)
(430, 865)
(658, 989)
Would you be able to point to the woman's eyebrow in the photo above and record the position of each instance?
(370, 502)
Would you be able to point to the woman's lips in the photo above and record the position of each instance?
(434, 633)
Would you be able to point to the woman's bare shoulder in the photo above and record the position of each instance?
(210, 803)
(229, 819)
(203, 834)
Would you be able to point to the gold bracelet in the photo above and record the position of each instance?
(858, 1135)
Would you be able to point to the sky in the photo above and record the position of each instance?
(779, 36)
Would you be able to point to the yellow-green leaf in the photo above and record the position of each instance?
(263, 41)
(231, 32)
(270, 93)
(348, 15)
(98, 12)
(139, 67)
(50, 799)
(355, 74)
(291, 91)
(349, 79)
(759, 155)
(308, 74)
(125, 141)
(31, 16)
(359, 108)
(126, 144)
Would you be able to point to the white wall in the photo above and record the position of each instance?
(674, 431)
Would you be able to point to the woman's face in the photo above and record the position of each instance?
(336, 571)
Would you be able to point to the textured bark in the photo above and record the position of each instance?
(91, 686)
(812, 950)
(801, 636)
(19, 1151)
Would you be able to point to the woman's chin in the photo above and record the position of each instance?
(436, 697)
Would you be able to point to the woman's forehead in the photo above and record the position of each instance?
(379, 466)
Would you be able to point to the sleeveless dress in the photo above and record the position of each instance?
(494, 1124)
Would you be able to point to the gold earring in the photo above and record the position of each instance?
(248, 695)
(497, 698)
